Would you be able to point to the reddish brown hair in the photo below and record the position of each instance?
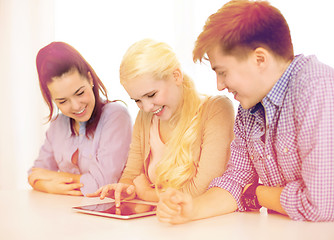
(58, 58)
(245, 25)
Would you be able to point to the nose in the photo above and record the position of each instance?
(75, 105)
(147, 106)
(220, 84)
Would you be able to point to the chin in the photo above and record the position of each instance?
(164, 118)
(247, 105)
(84, 118)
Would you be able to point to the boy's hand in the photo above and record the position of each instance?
(175, 207)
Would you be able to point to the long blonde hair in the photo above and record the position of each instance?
(177, 166)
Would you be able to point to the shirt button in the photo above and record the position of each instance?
(251, 157)
(268, 156)
(286, 150)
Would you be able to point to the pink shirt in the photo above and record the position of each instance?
(101, 158)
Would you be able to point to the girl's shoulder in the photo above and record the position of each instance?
(59, 121)
(59, 125)
(116, 108)
(218, 102)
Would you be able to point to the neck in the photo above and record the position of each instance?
(165, 130)
(276, 71)
(76, 127)
(283, 67)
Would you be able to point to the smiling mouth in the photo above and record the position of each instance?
(80, 111)
(233, 92)
(159, 110)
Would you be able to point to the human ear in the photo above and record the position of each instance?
(261, 56)
(178, 76)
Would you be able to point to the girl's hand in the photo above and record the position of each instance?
(55, 182)
(117, 191)
(64, 186)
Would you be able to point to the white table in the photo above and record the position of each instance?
(28, 214)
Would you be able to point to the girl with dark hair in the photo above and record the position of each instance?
(87, 145)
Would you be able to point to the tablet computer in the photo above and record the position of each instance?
(127, 210)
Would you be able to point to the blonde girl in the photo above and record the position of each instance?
(180, 138)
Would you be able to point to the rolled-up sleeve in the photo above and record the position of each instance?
(240, 169)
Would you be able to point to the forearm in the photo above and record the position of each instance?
(149, 195)
(126, 181)
(75, 177)
(269, 197)
(58, 186)
(46, 174)
(216, 201)
(44, 180)
(42, 186)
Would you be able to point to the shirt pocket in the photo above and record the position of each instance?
(287, 155)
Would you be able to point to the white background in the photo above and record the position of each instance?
(102, 30)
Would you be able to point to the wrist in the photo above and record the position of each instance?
(147, 193)
(258, 193)
(249, 198)
(196, 213)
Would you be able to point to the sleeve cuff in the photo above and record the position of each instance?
(233, 188)
(89, 184)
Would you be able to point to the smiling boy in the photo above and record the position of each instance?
(284, 129)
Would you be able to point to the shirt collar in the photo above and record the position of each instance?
(82, 129)
(277, 93)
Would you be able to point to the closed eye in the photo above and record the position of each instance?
(152, 95)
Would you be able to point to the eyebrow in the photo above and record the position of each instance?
(59, 99)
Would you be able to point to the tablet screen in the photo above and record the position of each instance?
(126, 210)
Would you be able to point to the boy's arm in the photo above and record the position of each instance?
(269, 197)
(176, 207)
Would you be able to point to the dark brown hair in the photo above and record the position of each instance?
(58, 58)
